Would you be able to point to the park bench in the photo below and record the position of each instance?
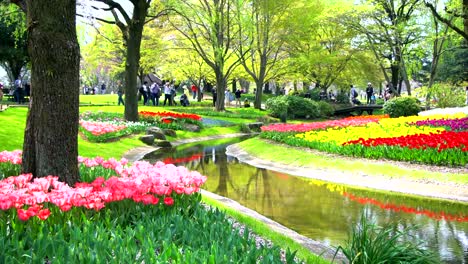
(358, 109)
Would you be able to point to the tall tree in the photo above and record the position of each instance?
(453, 11)
(131, 25)
(390, 27)
(13, 41)
(104, 56)
(51, 135)
(320, 46)
(210, 28)
(261, 38)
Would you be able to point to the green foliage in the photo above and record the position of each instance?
(292, 107)
(342, 98)
(132, 233)
(244, 128)
(454, 65)
(369, 243)
(447, 95)
(13, 40)
(247, 113)
(101, 116)
(8, 169)
(402, 106)
(325, 109)
(277, 107)
(302, 108)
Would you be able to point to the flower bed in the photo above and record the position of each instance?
(104, 131)
(350, 121)
(140, 182)
(176, 121)
(139, 213)
(438, 139)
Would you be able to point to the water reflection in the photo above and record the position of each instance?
(321, 210)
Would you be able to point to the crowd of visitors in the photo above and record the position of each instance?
(19, 93)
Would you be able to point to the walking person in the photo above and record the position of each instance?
(194, 91)
(144, 92)
(120, 93)
(103, 88)
(369, 92)
(227, 97)
(215, 95)
(167, 94)
(173, 94)
(387, 93)
(155, 94)
(238, 94)
(353, 96)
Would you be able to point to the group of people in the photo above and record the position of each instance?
(154, 92)
(370, 95)
(19, 92)
(229, 97)
(95, 90)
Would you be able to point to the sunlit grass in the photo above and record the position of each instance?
(297, 157)
(263, 230)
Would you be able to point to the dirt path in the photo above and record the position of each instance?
(457, 192)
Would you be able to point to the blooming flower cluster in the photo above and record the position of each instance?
(100, 128)
(414, 138)
(339, 136)
(439, 141)
(453, 124)
(142, 182)
(14, 157)
(352, 121)
(171, 114)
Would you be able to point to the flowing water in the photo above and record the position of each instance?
(321, 210)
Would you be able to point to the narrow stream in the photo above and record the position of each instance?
(321, 210)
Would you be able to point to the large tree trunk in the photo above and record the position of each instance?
(258, 94)
(404, 75)
(135, 33)
(220, 89)
(51, 136)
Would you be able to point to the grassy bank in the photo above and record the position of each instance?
(263, 230)
(299, 157)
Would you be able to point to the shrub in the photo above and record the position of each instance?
(342, 98)
(302, 108)
(325, 109)
(369, 243)
(292, 107)
(277, 107)
(402, 106)
(447, 96)
(244, 128)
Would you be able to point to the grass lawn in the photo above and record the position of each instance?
(298, 157)
(13, 123)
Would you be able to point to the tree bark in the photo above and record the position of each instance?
(258, 95)
(404, 76)
(132, 65)
(220, 89)
(51, 135)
